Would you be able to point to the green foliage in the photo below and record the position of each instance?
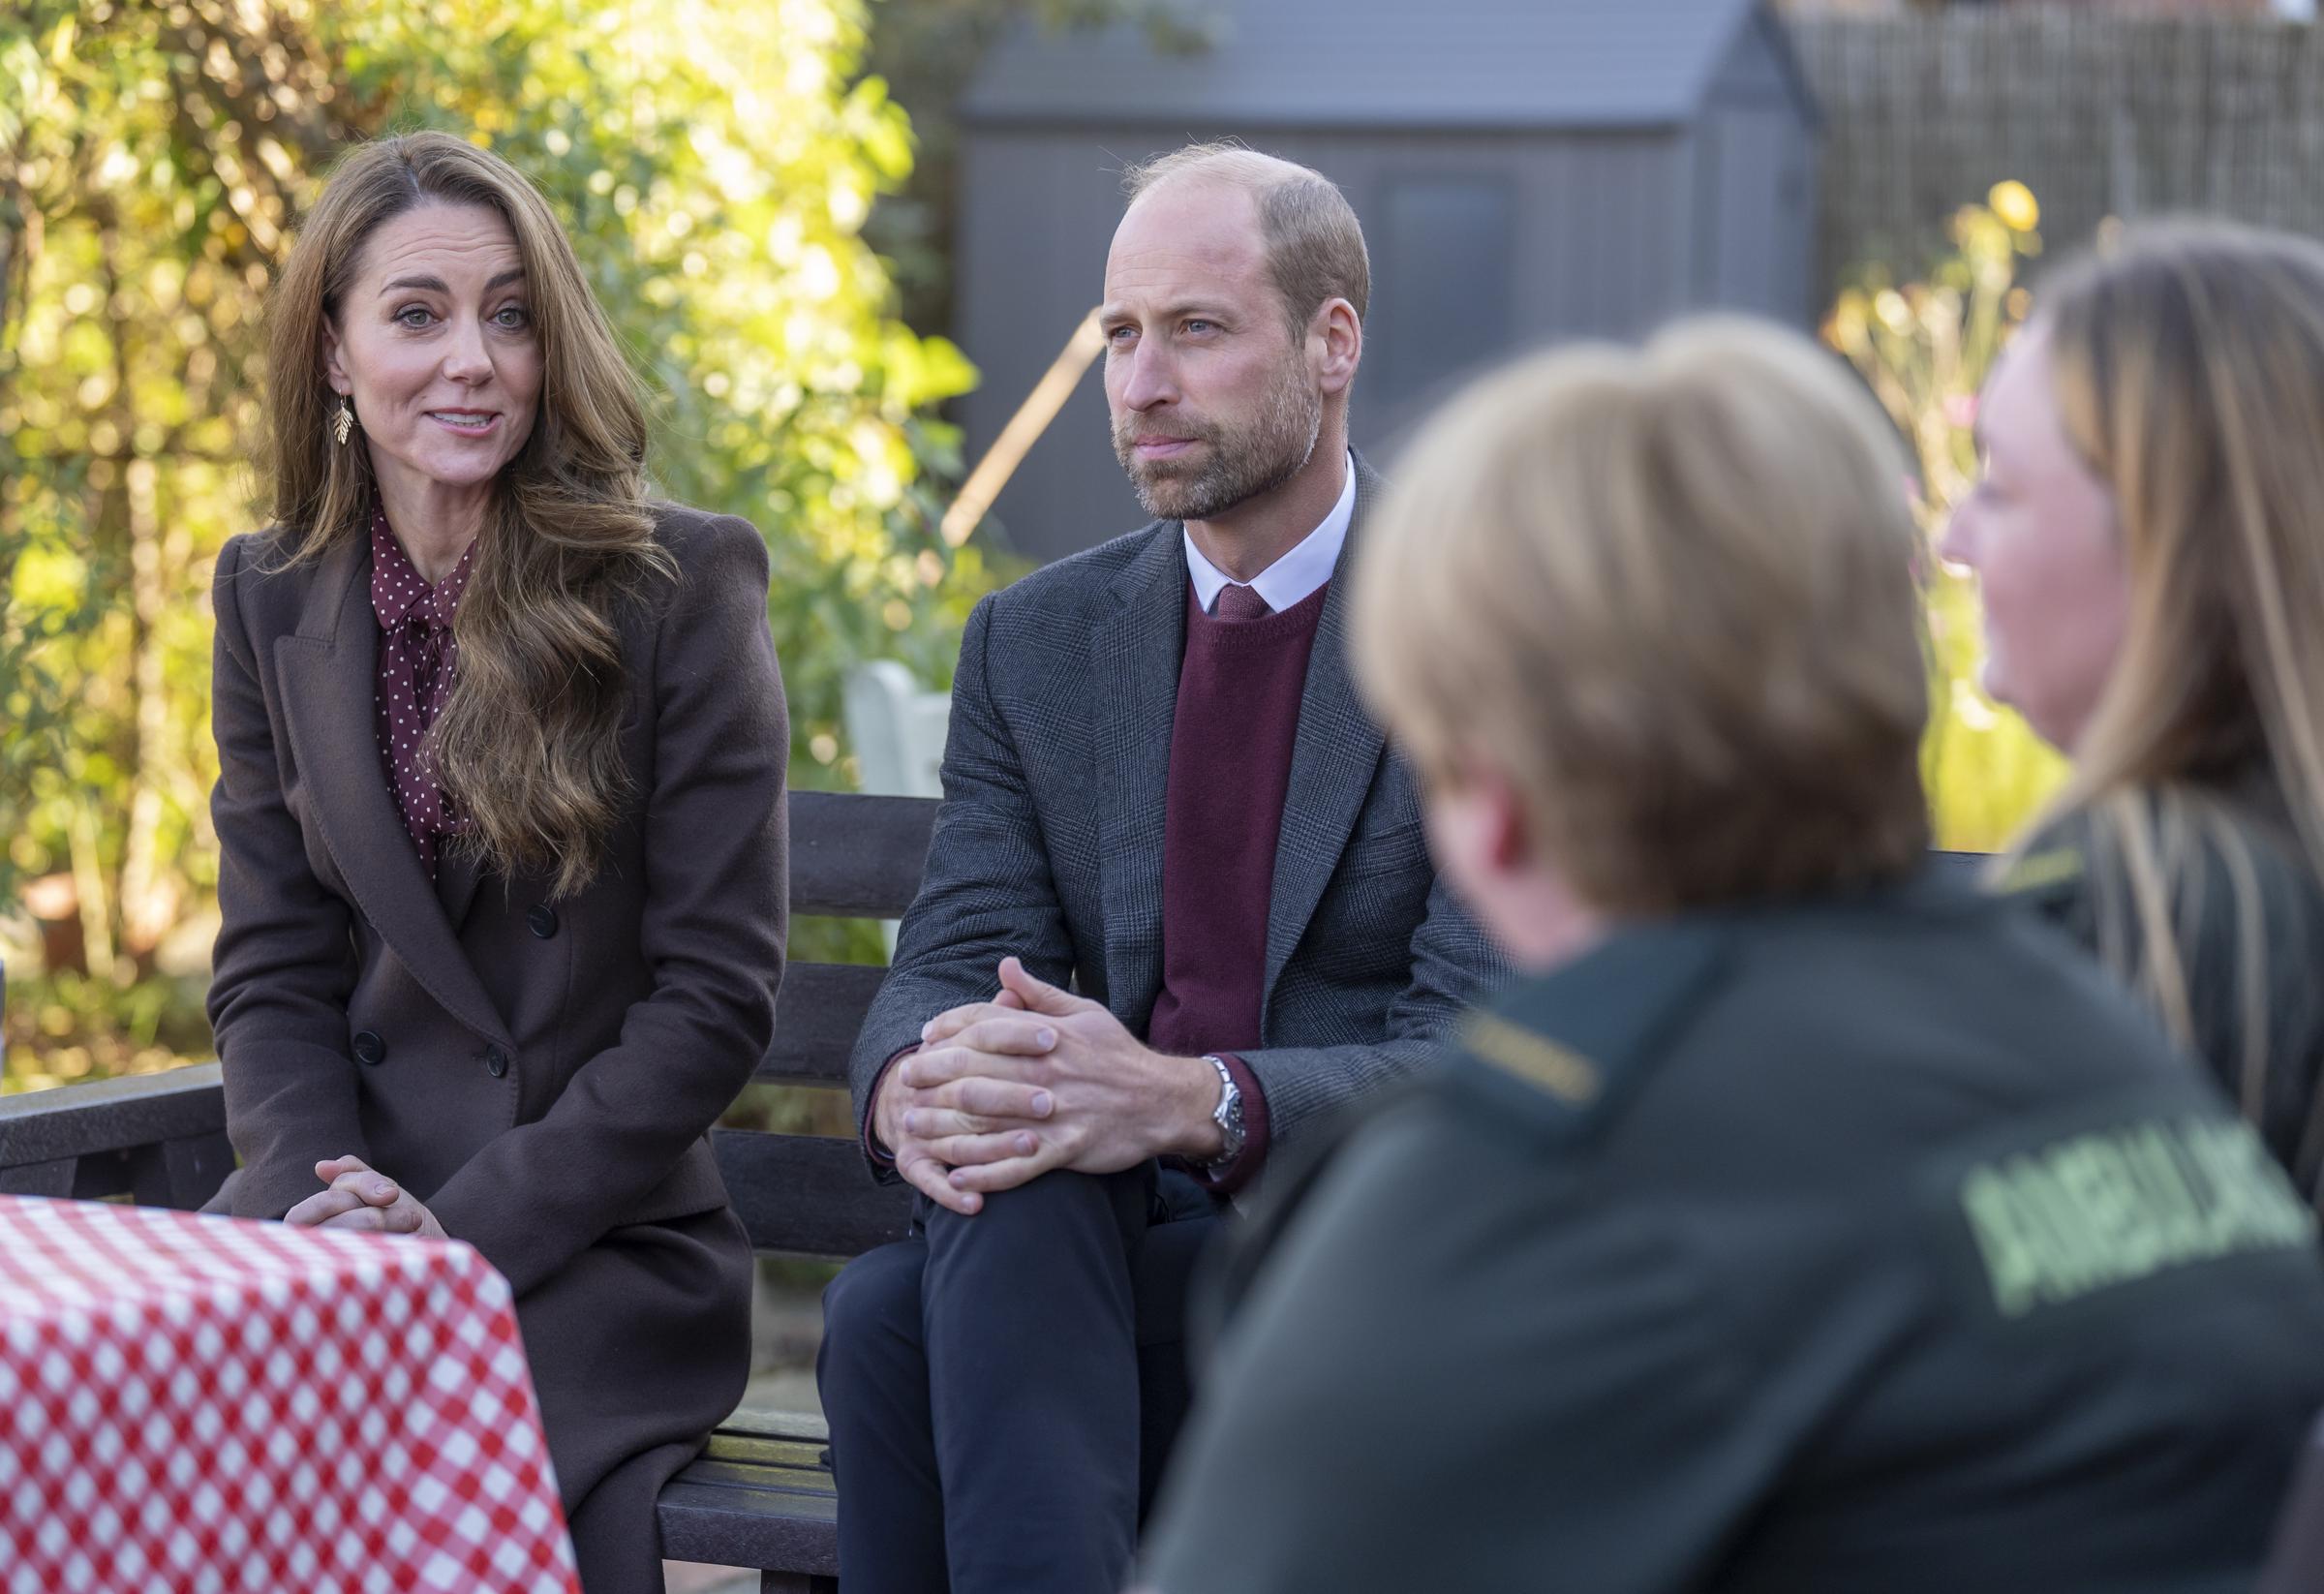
(69, 1026)
(715, 163)
(1925, 347)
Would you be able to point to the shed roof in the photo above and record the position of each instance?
(1371, 63)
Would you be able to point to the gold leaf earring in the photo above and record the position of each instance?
(344, 421)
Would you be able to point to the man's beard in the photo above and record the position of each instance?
(1237, 466)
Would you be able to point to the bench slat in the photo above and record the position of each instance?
(743, 1448)
(176, 1173)
(114, 1115)
(729, 1526)
(40, 1178)
(816, 1017)
(753, 1475)
(729, 1509)
(858, 857)
(808, 1193)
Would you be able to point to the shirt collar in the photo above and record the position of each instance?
(1291, 578)
(400, 592)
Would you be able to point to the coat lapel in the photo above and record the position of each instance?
(1333, 758)
(1136, 660)
(326, 670)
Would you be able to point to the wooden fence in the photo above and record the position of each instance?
(2099, 113)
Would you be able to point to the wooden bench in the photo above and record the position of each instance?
(761, 1496)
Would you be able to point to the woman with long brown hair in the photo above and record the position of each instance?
(2148, 533)
(501, 747)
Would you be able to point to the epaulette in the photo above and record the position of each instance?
(1561, 1053)
(2050, 866)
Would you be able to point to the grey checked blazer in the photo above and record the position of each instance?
(1049, 845)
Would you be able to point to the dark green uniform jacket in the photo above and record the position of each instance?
(2274, 940)
(1876, 1245)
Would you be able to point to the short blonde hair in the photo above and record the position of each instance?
(1669, 593)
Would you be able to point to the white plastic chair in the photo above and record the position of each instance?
(896, 728)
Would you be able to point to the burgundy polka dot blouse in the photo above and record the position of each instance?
(418, 657)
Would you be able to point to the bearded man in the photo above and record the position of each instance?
(1178, 908)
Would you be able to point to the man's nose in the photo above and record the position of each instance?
(1150, 379)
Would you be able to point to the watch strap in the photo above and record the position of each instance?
(1227, 1114)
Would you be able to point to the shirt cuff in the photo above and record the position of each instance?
(1226, 1178)
(879, 1154)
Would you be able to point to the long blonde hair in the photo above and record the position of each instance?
(528, 742)
(2188, 366)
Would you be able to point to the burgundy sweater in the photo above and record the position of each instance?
(1237, 717)
(1240, 688)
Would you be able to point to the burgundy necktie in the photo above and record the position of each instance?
(1236, 601)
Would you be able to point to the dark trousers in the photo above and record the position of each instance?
(1003, 1388)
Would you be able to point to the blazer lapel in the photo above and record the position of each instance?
(1136, 665)
(1333, 758)
(326, 670)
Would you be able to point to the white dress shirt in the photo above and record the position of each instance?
(1298, 573)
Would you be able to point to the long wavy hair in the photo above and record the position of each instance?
(528, 742)
(2188, 366)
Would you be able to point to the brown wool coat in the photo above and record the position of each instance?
(541, 1074)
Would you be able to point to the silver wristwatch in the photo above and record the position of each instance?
(1227, 1114)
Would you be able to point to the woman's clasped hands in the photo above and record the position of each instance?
(361, 1198)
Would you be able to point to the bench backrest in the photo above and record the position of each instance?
(160, 1139)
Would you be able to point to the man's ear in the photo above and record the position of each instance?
(334, 368)
(1335, 345)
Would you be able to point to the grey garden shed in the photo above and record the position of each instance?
(1526, 170)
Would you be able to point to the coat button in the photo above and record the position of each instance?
(496, 1062)
(543, 920)
(369, 1047)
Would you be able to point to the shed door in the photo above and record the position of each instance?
(1757, 218)
(1441, 302)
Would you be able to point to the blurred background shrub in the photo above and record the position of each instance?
(1924, 346)
(715, 166)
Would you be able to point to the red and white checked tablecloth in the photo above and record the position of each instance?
(196, 1403)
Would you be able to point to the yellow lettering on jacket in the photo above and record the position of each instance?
(2104, 1208)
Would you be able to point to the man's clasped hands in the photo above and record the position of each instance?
(1005, 1090)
